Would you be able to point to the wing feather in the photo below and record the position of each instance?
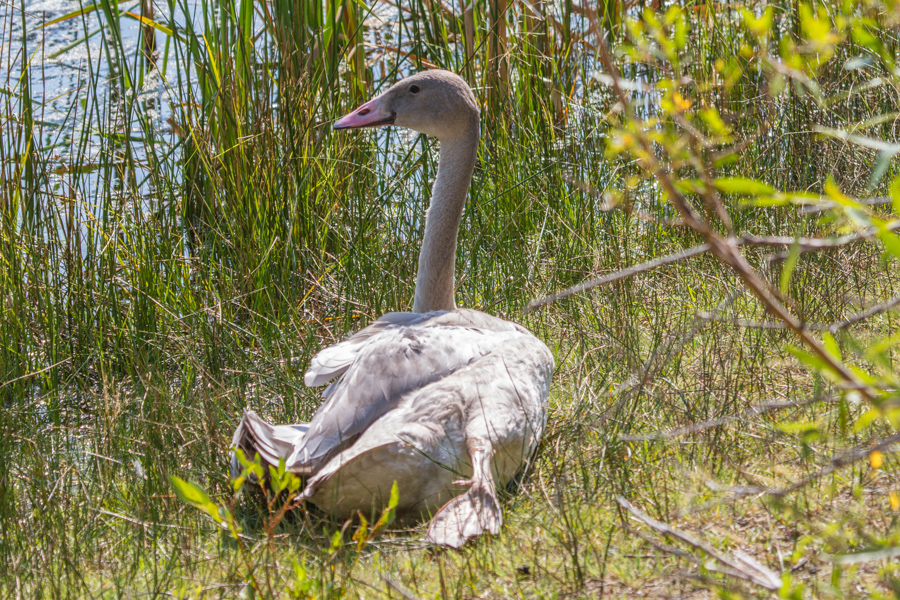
(334, 360)
(272, 442)
(398, 353)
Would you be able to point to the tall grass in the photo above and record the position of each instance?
(180, 242)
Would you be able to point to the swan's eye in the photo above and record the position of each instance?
(414, 89)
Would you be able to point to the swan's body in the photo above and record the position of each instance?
(430, 397)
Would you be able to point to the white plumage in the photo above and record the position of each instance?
(447, 402)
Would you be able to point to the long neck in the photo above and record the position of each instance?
(436, 278)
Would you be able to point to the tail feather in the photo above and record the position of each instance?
(271, 442)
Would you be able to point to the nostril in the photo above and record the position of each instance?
(364, 112)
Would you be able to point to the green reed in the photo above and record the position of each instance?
(190, 269)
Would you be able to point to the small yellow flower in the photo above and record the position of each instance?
(876, 459)
(895, 500)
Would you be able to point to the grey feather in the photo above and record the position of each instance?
(382, 362)
(272, 442)
(426, 398)
(334, 360)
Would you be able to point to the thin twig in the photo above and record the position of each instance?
(706, 316)
(870, 312)
(740, 565)
(831, 328)
(814, 244)
(756, 410)
(623, 274)
(666, 548)
(138, 522)
(822, 206)
(803, 244)
(27, 375)
(397, 588)
(843, 460)
(867, 556)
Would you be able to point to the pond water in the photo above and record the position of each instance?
(58, 54)
(63, 66)
(80, 106)
(66, 61)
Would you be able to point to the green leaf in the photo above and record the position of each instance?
(726, 159)
(815, 28)
(336, 540)
(831, 345)
(807, 432)
(895, 195)
(75, 13)
(249, 468)
(796, 426)
(275, 480)
(866, 419)
(882, 346)
(387, 517)
(690, 186)
(767, 201)
(863, 376)
(815, 363)
(881, 166)
(681, 31)
(742, 185)
(714, 121)
(361, 537)
(835, 193)
(196, 496)
(212, 510)
(761, 26)
(789, 264)
(864, 37)
(891, 242)
(858, 216)
(151, 23)
(302, 583)
(190, 492)
(395, 496)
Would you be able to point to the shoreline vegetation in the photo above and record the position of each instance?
(180, 231)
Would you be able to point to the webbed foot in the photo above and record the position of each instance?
(476, 511)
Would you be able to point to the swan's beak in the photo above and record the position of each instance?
(373, 113)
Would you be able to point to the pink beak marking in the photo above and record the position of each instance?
(370, 114)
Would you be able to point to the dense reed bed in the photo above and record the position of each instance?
(180, 230)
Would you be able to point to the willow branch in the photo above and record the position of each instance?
(726, 249)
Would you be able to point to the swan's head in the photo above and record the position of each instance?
(436, 103)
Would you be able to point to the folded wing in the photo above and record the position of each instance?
(398, 353)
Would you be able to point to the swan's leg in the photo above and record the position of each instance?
(474, 512)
